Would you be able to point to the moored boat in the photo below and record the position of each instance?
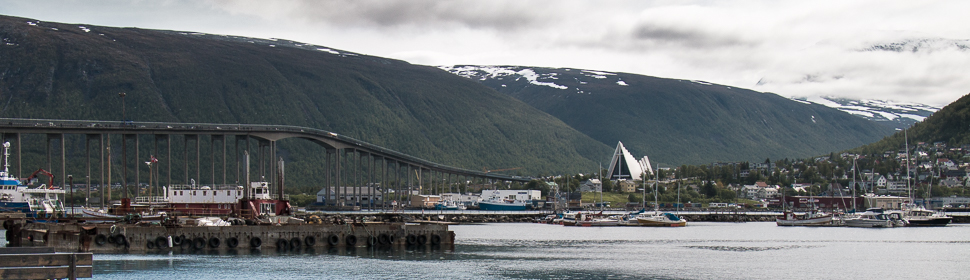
(15, 196)
(921, 217)
(789, 218)
(660, 219)
(873, 217)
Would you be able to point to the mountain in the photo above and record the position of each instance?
(949, 125)
(76, 71)
(897, 115)
(679, 121)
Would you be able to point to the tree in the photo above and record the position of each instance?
(709, 190)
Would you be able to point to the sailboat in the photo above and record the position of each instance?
(814, 217)
(657, 218)
(918, 216)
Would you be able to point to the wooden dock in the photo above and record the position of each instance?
(43, 263)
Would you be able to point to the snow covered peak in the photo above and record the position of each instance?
(577, 80)
(922, 45)
(892, 113)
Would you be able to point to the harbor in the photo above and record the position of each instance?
(702, 250)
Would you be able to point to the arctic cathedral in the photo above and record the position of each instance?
(625, 167)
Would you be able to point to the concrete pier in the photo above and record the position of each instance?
(122, 238)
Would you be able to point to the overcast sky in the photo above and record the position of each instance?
(792, 48)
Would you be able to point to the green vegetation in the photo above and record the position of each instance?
(677, 122)
(175, 77)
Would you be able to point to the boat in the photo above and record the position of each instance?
(599, 221)
(15, 196)
(660, 219)
(873, 217)
(921, 217)
(496, 203)
(630, 219)
(569, 218)
(657, 218)
(449, 205)
(813, 218)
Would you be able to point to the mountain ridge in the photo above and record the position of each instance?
(720, 122)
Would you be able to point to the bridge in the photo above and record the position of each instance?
(340, 151)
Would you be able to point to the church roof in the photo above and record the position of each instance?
(624, 165)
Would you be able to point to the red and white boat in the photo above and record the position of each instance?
(224, 200)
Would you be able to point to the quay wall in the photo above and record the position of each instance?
(122, 238)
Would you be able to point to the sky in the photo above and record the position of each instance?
(904, 51)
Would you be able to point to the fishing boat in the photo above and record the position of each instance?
(449, 205)
(15, 196)
(873, 217)
(497, 203)
(813, 218)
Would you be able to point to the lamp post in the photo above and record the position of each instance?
(124, 147)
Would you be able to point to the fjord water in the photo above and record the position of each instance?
(538, 251)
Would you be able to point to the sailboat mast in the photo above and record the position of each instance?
(910, 188)
(853, 183)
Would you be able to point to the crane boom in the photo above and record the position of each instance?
(34, 175)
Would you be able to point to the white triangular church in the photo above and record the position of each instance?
(625, 166)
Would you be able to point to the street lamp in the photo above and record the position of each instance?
(122, 94)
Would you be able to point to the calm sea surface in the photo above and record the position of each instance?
(538, 251)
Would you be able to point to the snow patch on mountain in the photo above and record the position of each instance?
(483, 73)
(895, 114)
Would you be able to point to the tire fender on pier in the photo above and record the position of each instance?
(150, 245)
(372, 240)
(411, 239)
(161, 242)
(333, 240)
(214, 242)
(255, 242)
(282, 244)
(100, 239)
(232, 242)
(310, 241)
(177, 240)
(119, 239)
(198, 243)
(384, 239)
(296, 243)
(422, 239)
(351, 240)
(435, 239)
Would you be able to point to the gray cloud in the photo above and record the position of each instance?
(683, 36)
(421, 14)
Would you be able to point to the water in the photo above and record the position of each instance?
(538, 251)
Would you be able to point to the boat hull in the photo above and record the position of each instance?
(866, 223)
(490, 206)
(647, 223)
(934, 222)
(817, 221)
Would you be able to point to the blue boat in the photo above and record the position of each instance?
(498, 204)
(40, 202)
